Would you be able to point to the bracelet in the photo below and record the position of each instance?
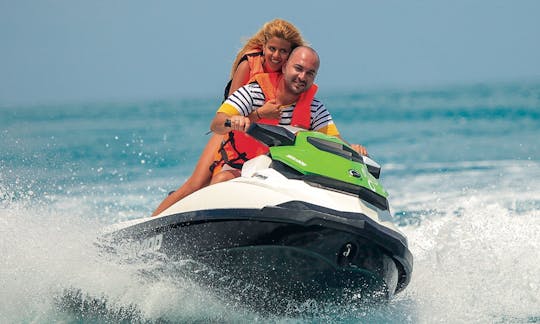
(257, 112)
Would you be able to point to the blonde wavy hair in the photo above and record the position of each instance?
(276, 28)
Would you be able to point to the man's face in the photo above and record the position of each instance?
(300, 70)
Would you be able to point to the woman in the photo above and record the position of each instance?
(264, 52)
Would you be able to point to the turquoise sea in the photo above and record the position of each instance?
(461, 165)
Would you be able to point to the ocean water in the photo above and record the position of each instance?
(461, 165)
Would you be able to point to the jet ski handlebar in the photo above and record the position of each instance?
(275, 135)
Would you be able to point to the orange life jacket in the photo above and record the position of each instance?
(255, 61)
(254, 58)
(239, 147)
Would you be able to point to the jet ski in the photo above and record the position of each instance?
(307, 221)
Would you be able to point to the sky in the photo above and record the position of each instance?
(69, 50)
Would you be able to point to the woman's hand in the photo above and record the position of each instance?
(270, 110)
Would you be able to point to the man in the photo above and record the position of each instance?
(287, 99)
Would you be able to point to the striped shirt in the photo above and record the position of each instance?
(251, 97)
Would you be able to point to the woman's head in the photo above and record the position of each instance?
(281, 29)
(277, 38)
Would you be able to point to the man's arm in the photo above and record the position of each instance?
(218, 123)
(324, 123)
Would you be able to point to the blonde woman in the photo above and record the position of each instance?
(265, 52)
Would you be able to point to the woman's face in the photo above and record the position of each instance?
(276, 51)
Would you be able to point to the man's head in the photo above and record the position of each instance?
(300, 70)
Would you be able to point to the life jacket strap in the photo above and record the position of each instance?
(225, 159)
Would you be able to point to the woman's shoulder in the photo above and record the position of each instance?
(249, 56)
(253, 52)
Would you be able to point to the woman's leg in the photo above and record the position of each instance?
(200, 177)
(225, 175)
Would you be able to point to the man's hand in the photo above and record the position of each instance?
(360, 149)
(239, 123)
